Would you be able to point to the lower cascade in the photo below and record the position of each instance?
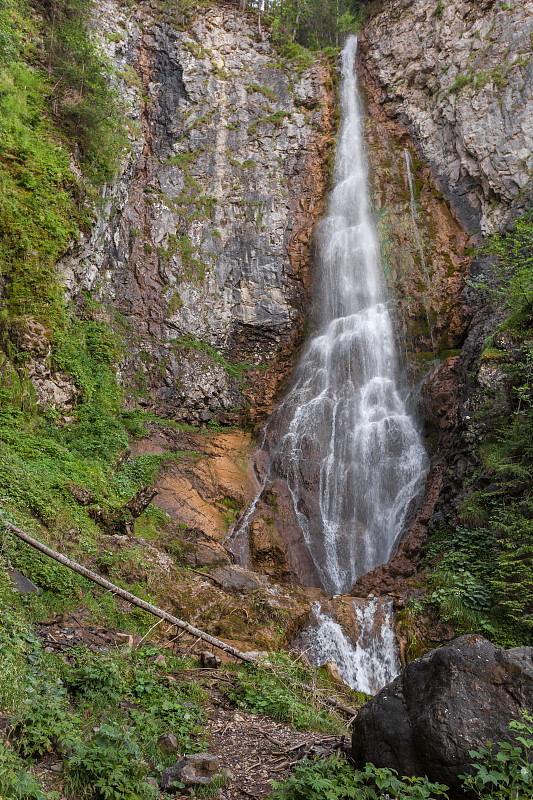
(370, 663)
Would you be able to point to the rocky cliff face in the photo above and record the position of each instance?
(200, 253)
(460, 77)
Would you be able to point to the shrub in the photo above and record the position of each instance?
(109, 767)
(509, 279)
(97, 682)
(46, 727)
(333, 779)
(15, 782)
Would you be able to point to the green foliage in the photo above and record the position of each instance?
(72, 709)
(83, 98)
(439, 8)
(45, 727)
(96, 681)
(333, 779)
(8, 38)
(253, 87)
(44, 113)
(17, 644)
(312, 24)
(505, 770)
(15, 782)
(509, 280)
(109, 767)
(460, 83)
(38, 210)
(279, 693)
(482, 578)
(236, 371)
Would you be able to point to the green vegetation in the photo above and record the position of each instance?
(509, 280)
(460, 83)
(275, 119)
(282, 692)
(50, 106)
(313, 24)
(253, 87)
(439, 8)
(71, 709)
(333, 779)
(481, 577)
(504, 771)
(498, 772)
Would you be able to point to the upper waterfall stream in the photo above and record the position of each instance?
(342, 438)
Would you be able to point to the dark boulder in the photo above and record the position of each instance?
(444, 704)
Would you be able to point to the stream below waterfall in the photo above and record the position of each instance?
(343, 439)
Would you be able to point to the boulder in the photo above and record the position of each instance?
(208, 659)
(168, 743)
(23, 584)
(191, 770)
(450, 701)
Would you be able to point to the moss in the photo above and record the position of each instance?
(253, 87)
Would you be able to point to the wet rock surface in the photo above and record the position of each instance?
(444, 704)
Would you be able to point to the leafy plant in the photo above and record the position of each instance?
(504, 770)
(97, 681)
(109, 767)
(508, 279)
(46, 727)
(15, 782)
(333, 779)
(280, 693)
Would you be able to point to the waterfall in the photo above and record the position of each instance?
(342, 438)
(369, 664)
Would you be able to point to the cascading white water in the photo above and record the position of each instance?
(369, 664)
(342, 438)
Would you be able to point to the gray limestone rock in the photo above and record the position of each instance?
(462, 81)
(190, 249)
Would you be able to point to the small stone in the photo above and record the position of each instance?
(152, 782)
(122, 638)
(23, 584)
(208, 659)
(197, 769)
(161, 660)
(57, 767)
(168, 743)
(333, 671)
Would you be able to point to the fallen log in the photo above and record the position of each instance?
(131, 598)
(157, 612)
